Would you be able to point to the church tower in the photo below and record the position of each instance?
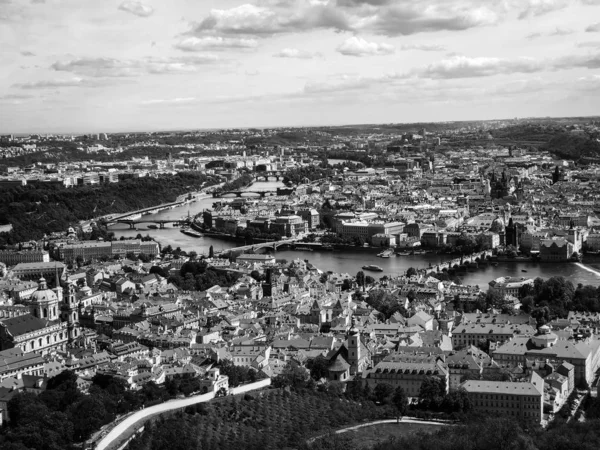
(354, 349)
(70, 312)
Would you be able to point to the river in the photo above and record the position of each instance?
(351, 261)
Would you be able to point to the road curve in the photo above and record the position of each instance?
(136, 420)
(380, 422)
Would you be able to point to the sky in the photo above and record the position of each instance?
(78, 66)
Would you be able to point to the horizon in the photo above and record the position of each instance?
(347, 125)
(77, 66)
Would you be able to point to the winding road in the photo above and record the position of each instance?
(127, 427)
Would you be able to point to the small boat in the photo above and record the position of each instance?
(385, 254)
(403, 254)
(152, 227)
(523, 270)
(305, 249)
(191, 232)
(373, 268)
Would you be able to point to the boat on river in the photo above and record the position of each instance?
(385, 254)
(190, 232)
(373, 268)
(152, 227)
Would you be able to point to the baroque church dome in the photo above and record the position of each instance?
(43, 293)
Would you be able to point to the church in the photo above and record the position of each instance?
(52, 323)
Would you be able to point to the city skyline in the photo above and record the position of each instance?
(76, 66)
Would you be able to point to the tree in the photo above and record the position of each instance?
(411, 272)
(346, 285)
(318, 367)
(211, 252)
(382, 392)
(360, 279)
(256, 275)
(432, 392)
(369, 280)
(400, 402)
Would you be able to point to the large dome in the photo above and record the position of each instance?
(43, 294)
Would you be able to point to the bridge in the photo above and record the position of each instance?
(264, 176)
(457, 263)
(239, 193)
(273, 244)
(161, 223)
(150, 210)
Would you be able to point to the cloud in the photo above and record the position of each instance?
(170, 101)
(534, 8)
(194, 44)
(556, 32)
(51, 84)
(136, 8)
(296, 54)
(593, 44)
(27, 53)
(110, 67)
(465, 67)
(416, 17)
(424, 47)
(594, 28)
(252, 20)
(12, 97)
(383, 17)
(356, 46)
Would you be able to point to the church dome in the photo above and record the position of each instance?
(43, 293)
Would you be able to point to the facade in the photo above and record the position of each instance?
(408, 372)
(472, 334)
(255, 258)
(42, 329)
(509, 285)
(37, 270)
(11, 257)
(555, 249)
(523, 400)
(583, 354)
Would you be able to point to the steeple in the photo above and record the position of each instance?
(354, 358)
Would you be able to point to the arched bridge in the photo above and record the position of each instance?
(273, 244)
(264, 176)
(161, 223)
(239, 193)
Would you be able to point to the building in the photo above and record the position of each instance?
(16, 363)
(509, 285)
(407, 371)
(559, 249)
(40, 330)
(289, 226)
(310, 216)
(37, 270)
(473, 333)
(255, 258)
(523, 400)
(88, 250)
(13, 257)
(583, 354)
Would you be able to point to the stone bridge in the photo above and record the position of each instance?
(161, 223)
(273, 244)
(456, 263)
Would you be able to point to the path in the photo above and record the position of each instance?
(380, 422)
(123, 430)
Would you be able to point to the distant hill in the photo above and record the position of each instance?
(572, 146)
